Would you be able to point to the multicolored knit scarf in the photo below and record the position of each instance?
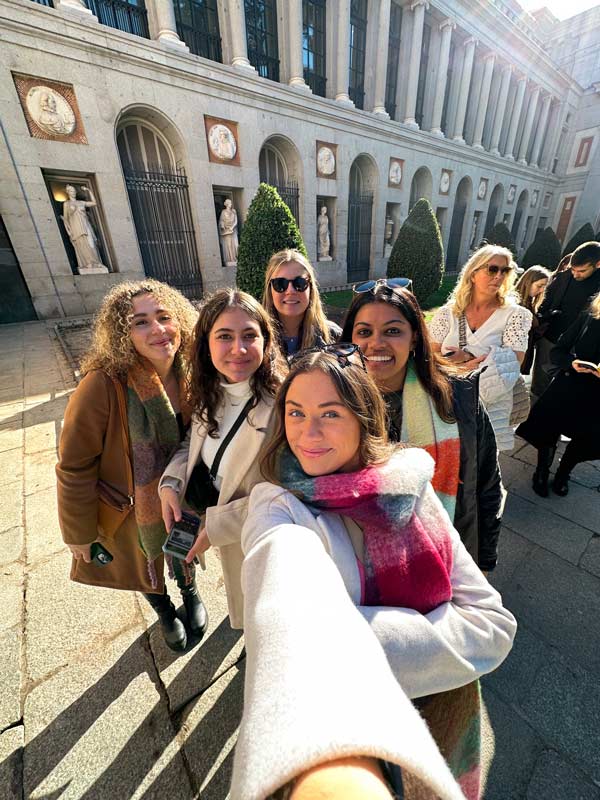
(154, 436)
(423, 427)
(404, 564)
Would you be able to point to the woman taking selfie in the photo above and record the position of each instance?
(333, 473)
(430, 406)
(123, 422)
(570, 405)
(291, 298)
(233, 381)
(482, 323)
(530, 288)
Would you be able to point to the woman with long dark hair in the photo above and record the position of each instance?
(431, 406)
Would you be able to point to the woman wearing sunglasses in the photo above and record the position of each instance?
(291, 298)
(483, 324)
(430, 406)
(351, 520)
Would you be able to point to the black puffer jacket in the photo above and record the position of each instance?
(477, 517)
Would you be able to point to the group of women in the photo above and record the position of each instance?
(354, 496)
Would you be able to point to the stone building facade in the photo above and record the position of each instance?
(126, 125)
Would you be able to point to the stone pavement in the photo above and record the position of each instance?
(94, 706)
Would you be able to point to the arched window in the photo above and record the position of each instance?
(271, 166)
(144, 149)
(356, 179)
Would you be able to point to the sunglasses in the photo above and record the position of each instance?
(343, 351)
(299, 283)
(492, 269)
(389, 283)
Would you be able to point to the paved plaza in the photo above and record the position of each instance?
(93, 705)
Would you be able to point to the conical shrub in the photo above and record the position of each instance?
(418, 252)
(584, 234)
(544, 250)
(269, 227)
(500, 235)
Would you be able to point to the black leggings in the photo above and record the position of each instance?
(185, 586)
(578, 450)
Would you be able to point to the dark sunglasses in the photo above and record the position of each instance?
(299, 283)
(341, 350)
(492, 269)
(389, 283)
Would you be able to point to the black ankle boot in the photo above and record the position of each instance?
(173, 629)
(560, 484)
(196, 613)
(542, 472)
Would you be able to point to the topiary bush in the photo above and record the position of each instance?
(269, 227)
(500, 235)
(418, 252)
(544, 250)
(584, 234)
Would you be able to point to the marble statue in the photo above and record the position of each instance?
(50, 111)
(326, 160)
(324, 242)
(387, 236)
(80, 231)
(222, 142)
(228, 236)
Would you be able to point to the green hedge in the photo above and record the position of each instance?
(500, 235)
(269, 227)
(544, 250)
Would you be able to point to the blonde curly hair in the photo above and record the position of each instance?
(111, 349)
(463, 291)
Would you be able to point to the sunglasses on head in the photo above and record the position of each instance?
(343, 351)
(493, 269)
(389, 283)
(299, 283)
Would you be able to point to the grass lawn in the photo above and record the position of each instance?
(343, 299)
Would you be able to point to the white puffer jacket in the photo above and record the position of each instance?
(496, 383)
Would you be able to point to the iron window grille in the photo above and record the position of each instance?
(198, 26)
(261, 37)
(358, 46)
(391, 84)
(313, 45)
(422, 74)
(124, 15)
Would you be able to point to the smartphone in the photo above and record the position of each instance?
(100, 555)
(182, 536)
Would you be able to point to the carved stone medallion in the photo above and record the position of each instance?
(535, 197)
(512, 190)
(326, 161)
(445, 181)
(395, 172)
(482, 189)
(50, 109)
(222, 140)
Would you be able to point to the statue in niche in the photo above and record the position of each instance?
(387, 236)
(324, 242)
(228, 236)
(50, 111)
(80, 231)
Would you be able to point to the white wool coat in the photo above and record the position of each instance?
(323, 675)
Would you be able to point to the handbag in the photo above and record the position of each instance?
(201, 491)
(113, 506)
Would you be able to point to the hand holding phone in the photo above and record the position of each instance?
(182, 536)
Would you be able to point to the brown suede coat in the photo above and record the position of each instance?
(91, 449)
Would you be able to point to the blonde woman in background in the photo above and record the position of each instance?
(483, 324)
(292, 300)
(531, 287)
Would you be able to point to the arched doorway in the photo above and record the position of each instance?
(363, 181)
(521, 206)
(496, 201)
(464, 192)
(151, 153)
(279, 166)
(420, 186)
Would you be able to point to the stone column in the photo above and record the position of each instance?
(418, 8)
(446, 28)
(553, 137)
(166, 27)
(533, 101)
(465, 82)
(516, 116)
(484, 98)
(342, 74)
(500, 110)
(76, 8)
(295, 44)
(539, 136)
(383, 34)
(239, 46)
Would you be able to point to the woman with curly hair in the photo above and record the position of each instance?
(482, 323)
(122, 424)
(234, 377)
(292, 300)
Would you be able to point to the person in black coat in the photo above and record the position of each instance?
(423, 393)
(570, 406)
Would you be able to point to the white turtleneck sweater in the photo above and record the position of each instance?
(235, 397)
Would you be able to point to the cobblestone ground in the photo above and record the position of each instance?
(93, 705)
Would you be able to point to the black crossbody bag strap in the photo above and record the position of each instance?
(230, 434)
